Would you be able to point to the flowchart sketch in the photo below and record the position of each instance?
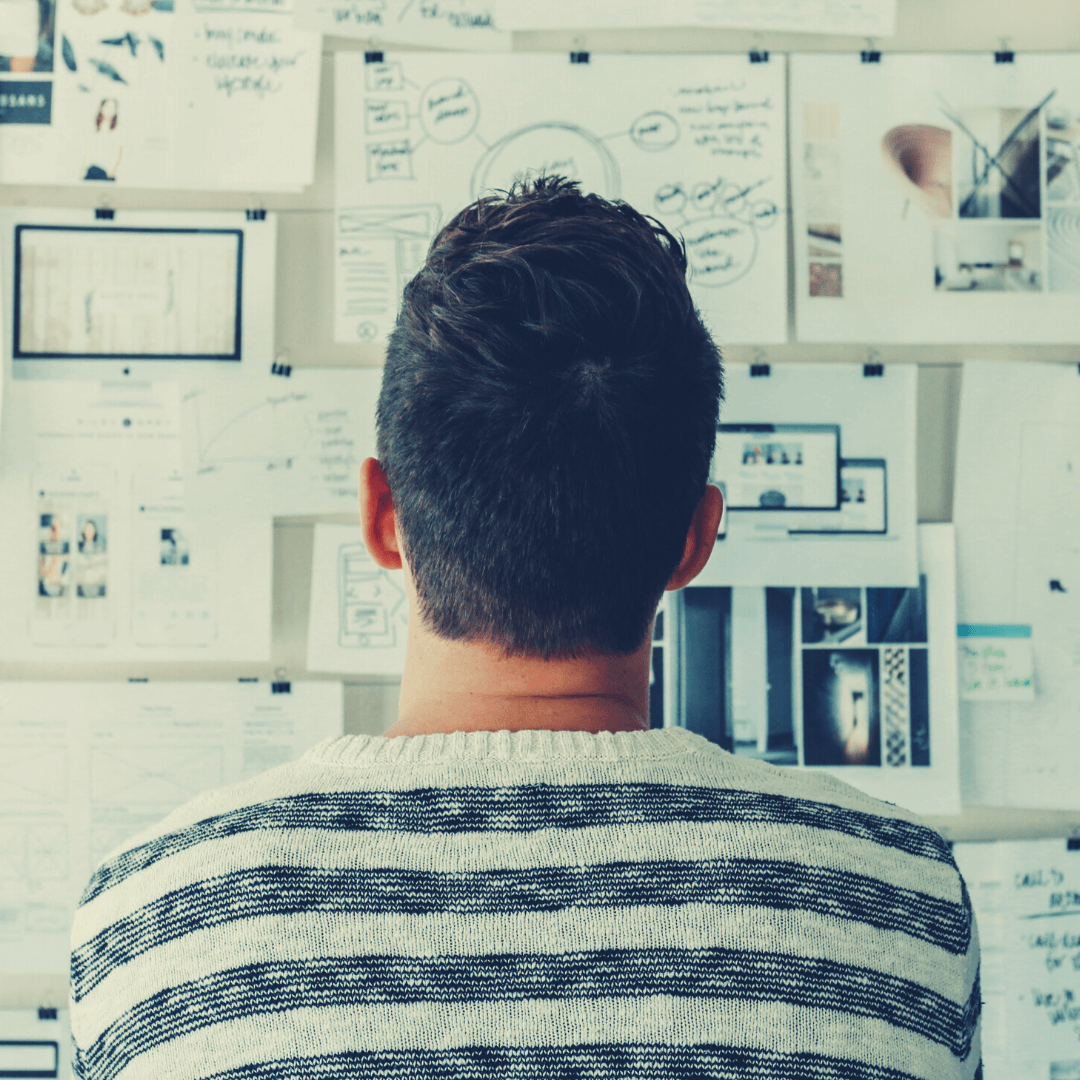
(266, 444)
(817, 466)
(359, 612)
(935, 198)
(698, 142)
(1016, 509)
(88, 766)
(105, 560)
(862, 17)
(449, 24)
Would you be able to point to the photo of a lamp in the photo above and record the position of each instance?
(919, 157)
(852, 711)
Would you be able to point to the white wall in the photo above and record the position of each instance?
(304, 333)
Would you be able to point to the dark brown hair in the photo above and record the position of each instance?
(547, 420)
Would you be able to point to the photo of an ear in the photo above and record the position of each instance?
(920, 157)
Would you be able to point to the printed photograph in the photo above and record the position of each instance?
(826, 279)
(27, 35)
(841, 702)
(54, 550)
(997, 162)
(831, 616)
(174, 548)
(92, 562)
(988, 256)
(897, 615)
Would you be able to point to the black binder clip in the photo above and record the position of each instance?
(870, 56)
(759, 56)
(281, 688)
(758, 371)
(374, 57)
(138, 680)
(44, 1013)
(281, 369)
(579, 58)
(1004, 56)
(1073, 843)
(103, 213)
(256, 215)
(871, 370)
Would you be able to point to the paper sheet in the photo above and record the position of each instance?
(359, 611)
(859, 682)
(996, 663)
(877, 17)
(1026, 897)
(35, 1042)
(448, 24)
(272, 445)
(101, 555)
(935, 198)
(1016, 509)
(212, 94)
(88, 765)
(808, 435)
(697, 141)
(146, 290)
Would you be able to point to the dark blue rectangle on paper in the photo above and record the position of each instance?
(25, 101)
(919, 705)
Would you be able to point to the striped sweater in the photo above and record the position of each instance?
(541, 904)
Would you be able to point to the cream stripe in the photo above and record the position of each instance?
(479, 851)
(692, 926)
(663, 1020)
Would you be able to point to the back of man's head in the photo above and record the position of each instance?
(546, 422)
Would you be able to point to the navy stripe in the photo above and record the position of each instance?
(626, 1061)
(286, 890)
(522, 809)
(715, 974)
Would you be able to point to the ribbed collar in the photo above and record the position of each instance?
(526, 745)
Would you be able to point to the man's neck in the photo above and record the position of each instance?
(452, 686)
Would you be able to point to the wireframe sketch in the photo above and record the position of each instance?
(117, 292)
(378, 250)
(145, 776)
(371, 604)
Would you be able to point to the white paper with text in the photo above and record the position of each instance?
(697, 141)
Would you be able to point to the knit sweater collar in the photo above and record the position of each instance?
(504, 745)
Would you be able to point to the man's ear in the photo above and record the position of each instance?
(377, 521)
(700, 538)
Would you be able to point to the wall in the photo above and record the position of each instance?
(304, 332)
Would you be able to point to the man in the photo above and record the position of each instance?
(522, 878)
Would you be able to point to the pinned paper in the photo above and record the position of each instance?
(995, 662)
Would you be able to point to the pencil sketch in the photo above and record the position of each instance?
(371, 604)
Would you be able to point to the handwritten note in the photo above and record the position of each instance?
(996, 663)
(1026, 897)
(247, 88)
(450, 24)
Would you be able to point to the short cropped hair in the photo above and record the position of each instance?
(546, 422)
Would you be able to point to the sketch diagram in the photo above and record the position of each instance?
(34, 773)
(699, 146)
(379, 248)
(145, 776)
(359, 614)
(273, 445)
(371, 604)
